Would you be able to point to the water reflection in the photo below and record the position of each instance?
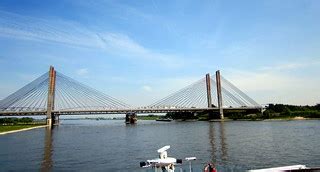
(212, 142)
(47, 162)
(223, 142)
(218, 146)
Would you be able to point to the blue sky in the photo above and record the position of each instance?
(141, 51)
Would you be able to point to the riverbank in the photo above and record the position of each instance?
(290, 118)
(254, 119)
(270, 119)
(148, 117)
(7, 129)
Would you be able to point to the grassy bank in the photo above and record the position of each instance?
(12, 124)
(5, 128)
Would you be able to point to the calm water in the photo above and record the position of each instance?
(110, 145)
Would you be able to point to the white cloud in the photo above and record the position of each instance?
(122, 44)
(82, 72)
(37, 29)
(53, 30)
(147, 88)
(273, 85)
(290, 66)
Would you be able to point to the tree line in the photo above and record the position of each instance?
(271, 111)
(282, 110)
(24, 120)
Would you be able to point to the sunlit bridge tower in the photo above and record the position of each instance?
(51, 97)
(208, 86)
(219, 93)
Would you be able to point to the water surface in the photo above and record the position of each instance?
(110, 145)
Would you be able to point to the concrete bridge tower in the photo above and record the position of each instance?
(219, 94)
(51, 96)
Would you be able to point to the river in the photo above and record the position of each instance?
(110, 145)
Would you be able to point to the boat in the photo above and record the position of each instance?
(286, 168)
(165, 163)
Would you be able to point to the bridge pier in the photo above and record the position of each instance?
(49, 122)
(55, 119)
(131, 118)
(219, 94)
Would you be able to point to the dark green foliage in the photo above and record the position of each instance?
(317, 107)
(307, 114)
(272, 111)
(281, 107)
(23, 120)
(236, 115)
(286, 111)
(181, 115)
(207, 115)
(281, 110)
(26, 120)
(244, 115)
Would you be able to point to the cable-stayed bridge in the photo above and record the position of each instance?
(55, 94)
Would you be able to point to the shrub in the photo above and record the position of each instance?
(15, 120)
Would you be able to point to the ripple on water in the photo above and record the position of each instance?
(110, 145)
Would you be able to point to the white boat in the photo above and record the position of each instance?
(165, 163)
(286, 168)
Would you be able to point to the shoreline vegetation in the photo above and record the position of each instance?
(271, 112)
(10, 125)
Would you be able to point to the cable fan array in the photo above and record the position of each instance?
(73, 95)
(234, 97)
(195, 96)
(69, 95)
(32, 97)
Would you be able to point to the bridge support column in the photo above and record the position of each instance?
(209, 98)
(57, 120)
(131, 118)
(219, 94)
(208, 84)
(51, 95)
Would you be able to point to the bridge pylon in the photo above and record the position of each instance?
(209, 98)
(51, 96)
(219, 93)
(208, 85)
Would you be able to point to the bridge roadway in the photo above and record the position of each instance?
(124, 111)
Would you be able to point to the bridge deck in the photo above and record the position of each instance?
(122, 111)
